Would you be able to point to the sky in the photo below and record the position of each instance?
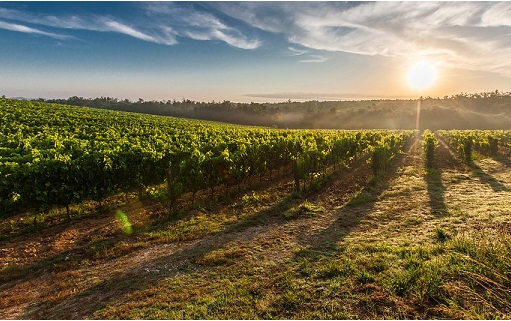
(252, 51)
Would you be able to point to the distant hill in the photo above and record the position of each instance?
(488, 110)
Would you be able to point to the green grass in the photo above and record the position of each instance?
(380, 251)
(444, 274)
(305, 288)
(441, 235)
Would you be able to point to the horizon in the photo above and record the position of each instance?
(120, 99)
(266, 52)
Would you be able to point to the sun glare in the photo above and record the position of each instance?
(422, 75)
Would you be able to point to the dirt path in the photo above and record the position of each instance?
(346, 217)
(34, 295)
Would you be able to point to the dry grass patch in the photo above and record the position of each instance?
(408, 245)
(221, 256)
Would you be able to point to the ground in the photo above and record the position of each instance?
(413, 243)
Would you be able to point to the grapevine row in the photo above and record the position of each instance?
(60, 155)
(488, 142)
(429, 145)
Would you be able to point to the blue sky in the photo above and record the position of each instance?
(251, 51)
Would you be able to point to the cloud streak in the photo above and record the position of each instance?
(314, 59)
(91, 23)
(109, 25)
(167, 22)
(468, 35)
(306, 56)
(198, 25)
(25, 29)
(475, 35)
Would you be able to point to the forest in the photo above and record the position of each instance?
(485, 110)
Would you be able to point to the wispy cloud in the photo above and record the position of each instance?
(314, 59)
(115, 26)
(296, 52)
(166, 22)
(199, 25)
(89, 22)
(470, 34)
(306, 55)
(25, 29)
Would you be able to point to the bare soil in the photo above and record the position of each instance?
(88, 268)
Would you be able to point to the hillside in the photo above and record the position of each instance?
(410, 244)
(56, 155)
(488, 110)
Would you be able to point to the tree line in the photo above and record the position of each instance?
(484, 110)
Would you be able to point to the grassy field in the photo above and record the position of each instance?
(413, 243)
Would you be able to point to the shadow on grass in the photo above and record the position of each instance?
(181, 259)
(477, 171)
(503, 159)
(436, 191)
(117, 283)
(356, 209)
(486, 178)
(348, 218)
(444, 159)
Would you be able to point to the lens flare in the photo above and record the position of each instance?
(124, 222)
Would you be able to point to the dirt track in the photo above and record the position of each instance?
(57, 277)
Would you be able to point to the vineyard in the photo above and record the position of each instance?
(53, 155)
(167, 218)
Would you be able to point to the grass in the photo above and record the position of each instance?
(441, 235)
(303, 210)
(355, 249)
(32, 221)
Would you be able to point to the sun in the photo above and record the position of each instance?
(422, 75)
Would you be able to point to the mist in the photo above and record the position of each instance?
(487, 110)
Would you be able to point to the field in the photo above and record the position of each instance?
(382, 230)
